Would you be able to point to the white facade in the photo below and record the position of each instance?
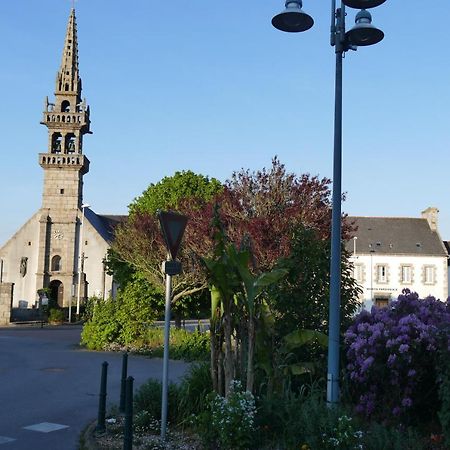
(383, 277)
(390, 254)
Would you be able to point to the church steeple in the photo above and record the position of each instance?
(68, 79)
(67, 120)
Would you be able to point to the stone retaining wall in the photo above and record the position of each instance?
(6, 296)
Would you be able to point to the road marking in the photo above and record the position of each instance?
(46, 427)
(5, 440)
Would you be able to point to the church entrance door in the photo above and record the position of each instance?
(57, 292)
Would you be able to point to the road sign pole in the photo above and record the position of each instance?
(165, 380)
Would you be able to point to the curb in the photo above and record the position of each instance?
(87, 440)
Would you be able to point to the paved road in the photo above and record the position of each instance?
(51, 385)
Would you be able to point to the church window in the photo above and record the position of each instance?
(56, 263)
(29, 243)
(61, 191)
(66, 87)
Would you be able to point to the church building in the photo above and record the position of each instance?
(63, 245)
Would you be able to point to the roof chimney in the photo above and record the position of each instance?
(431, 214)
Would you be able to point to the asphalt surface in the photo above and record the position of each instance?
(51, 385)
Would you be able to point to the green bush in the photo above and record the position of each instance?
(444, 395)
(103, 328)
(229, 423)
(380, 437)
(56, 315)
(305, 421)
(123, 321)
(148, 399)
(186, 345)
(194, 390)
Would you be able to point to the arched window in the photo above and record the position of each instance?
(70, 143)
(56, 143)
(65, 106)
(56, 263)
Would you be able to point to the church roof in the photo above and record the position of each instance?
(395, 235)
(104, 224)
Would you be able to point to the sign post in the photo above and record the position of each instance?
(172, 226)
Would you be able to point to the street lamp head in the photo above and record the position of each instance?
(364, 33)
(363, 4)
(85, 205)
(293, 19)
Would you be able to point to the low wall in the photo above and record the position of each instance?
(6, 298)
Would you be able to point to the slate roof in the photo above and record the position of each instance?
(104, 224)
(394, 236)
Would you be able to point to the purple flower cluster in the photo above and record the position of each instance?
(391, 351)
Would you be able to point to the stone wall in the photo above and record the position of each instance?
(6, 296)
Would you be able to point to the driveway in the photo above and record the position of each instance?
(49, 386)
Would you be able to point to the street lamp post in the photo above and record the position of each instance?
(294, 19)
(80, 257)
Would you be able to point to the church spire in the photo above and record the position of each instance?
(67, 120)
(68, 80)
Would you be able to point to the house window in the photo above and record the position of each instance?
(358, 273)
(406, 274)
(56, 263)
(429, 275)
(382, 273)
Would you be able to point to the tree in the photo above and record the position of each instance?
(279, 222)
(262, 210)
(139, 243)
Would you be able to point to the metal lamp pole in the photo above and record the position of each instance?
(80, 257)
(335, 268)
(294, 19)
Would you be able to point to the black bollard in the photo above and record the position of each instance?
(123, 381)
(102, 400)
(128, 431)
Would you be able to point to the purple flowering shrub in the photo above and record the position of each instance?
(392, 358)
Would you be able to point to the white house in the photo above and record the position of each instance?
(390, 254)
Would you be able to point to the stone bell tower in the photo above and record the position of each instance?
(64, 164)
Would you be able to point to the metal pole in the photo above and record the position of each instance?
(102, 400)
(335, 267)
(123, 382)
(80, 250)
(128, 431)
(165, 379)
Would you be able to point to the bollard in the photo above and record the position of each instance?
(128, 430)
(102, 400)
(123, 381)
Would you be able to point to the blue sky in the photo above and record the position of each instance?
(213, 87)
